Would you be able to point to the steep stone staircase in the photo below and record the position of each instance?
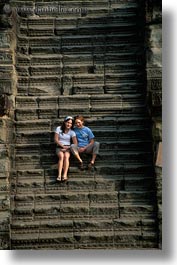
(90, 64)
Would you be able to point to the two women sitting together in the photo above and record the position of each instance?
(82, 138)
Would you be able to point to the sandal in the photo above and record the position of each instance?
(90, 165)
(59, 178)
(65, 179)
(81, 166)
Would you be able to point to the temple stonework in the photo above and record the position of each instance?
(101, 59)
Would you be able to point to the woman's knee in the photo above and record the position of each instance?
(67, 155)
(60, 155)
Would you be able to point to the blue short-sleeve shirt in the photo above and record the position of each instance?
(84, 135)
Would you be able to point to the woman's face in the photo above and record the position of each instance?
(79, 123)
(68, 124)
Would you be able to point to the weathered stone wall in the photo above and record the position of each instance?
(154, 91)
(7, 96)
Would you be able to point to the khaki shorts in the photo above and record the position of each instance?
(59, 149)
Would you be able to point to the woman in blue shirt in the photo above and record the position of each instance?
(86, 142)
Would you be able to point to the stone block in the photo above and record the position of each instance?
(5, 40)
(148, 225)
(76, 59)
(90, 225)
(73, 104)
(33, 125)
(103, 197)
(124, 225)
(136, 197)
(4, 241)
(101, 184)
(33, 138)
(26, 102)
(45, 45)
(93, 239)
(89, 79)
(70, 198)
(6, 57)
(138, 182)
(4, 164)
(30, 174)
(108, 103)
(4, 202)
(132, 210)
(27, 161)
(45, 70)
(47, 60)
(51, 84)
(26, 114)
(101, 210)
(96, 89)
(6, 86)
(45, 113)
(81, 184)
(130, 240)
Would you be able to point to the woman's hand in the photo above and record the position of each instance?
(65, 148)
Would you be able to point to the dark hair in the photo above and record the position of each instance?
(67, 118)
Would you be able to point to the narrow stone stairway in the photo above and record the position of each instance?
(90, 64)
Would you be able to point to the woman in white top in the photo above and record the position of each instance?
(63, 137)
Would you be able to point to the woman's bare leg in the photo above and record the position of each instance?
(60, 164)
(66, 165)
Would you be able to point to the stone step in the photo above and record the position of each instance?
(104, 179)
(46, 141)
(47, 125)
(83, 210)
(35, 141)
(22, 162)
(124, 16)
(30, 159)
(128, 210)
(116, 110)
(46, 151)
(126, 84)
(65, 198)
(87, 198)
(136, 197)
(57, 45)
(108, 58)
(41, 180)
(43, 102)
(97, 69)
(88, 62)
(98, 54)
(33, 26)
(124, 20)
(87, 225)
(87, 233)
(119, 129)
(60, 209)
(72, 29)
(31, 108)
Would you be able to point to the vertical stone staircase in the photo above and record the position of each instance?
(90, 64)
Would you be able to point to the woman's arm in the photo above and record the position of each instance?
(56, 139)
(74, 140)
